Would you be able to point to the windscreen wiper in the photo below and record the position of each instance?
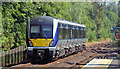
(44, 35)
(33, 36)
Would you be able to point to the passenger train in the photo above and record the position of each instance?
(49, 37)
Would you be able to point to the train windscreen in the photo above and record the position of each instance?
(44, 31)
(47, 31)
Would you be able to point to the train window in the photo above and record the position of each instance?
(35, 29)
(70, 26)
(69, 33)
(84, 33)
(64, 25)
(66, 32)
(63, 33)
(72, 33)
(60, 25)
(77, 28)
(65, 36)
(46, 31)
(59, 33)
(80, 32)
(35, 32)
(77, 32)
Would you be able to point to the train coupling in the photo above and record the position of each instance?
(41, 53)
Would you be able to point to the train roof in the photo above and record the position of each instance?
(49, 20)
(42, 20)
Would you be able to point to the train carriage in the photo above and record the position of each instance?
(48, 37)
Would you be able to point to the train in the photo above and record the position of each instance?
(51, 38)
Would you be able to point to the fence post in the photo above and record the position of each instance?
(6, 58)
(19, 55)
(10, 57)
(22, 53)
(25, 51)
(16, 55)
(3, 58)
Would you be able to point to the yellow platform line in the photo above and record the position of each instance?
(80, 66)
(99, 62)
(109, 63)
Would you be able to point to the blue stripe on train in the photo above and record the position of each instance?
(55, 38)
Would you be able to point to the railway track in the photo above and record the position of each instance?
(100, 53)
(48, 64)
(86, 58)
(101, 50)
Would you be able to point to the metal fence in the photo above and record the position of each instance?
(13, 56)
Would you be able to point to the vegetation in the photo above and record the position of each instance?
(98, 18)
(0, 27)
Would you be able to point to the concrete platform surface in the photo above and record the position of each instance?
(102, 64)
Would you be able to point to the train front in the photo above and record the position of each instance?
(40, 37)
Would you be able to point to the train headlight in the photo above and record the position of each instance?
(51, 43)
(30, 43)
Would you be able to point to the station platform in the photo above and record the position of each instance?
(102, 64)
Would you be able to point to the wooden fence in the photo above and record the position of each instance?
(13, 56)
